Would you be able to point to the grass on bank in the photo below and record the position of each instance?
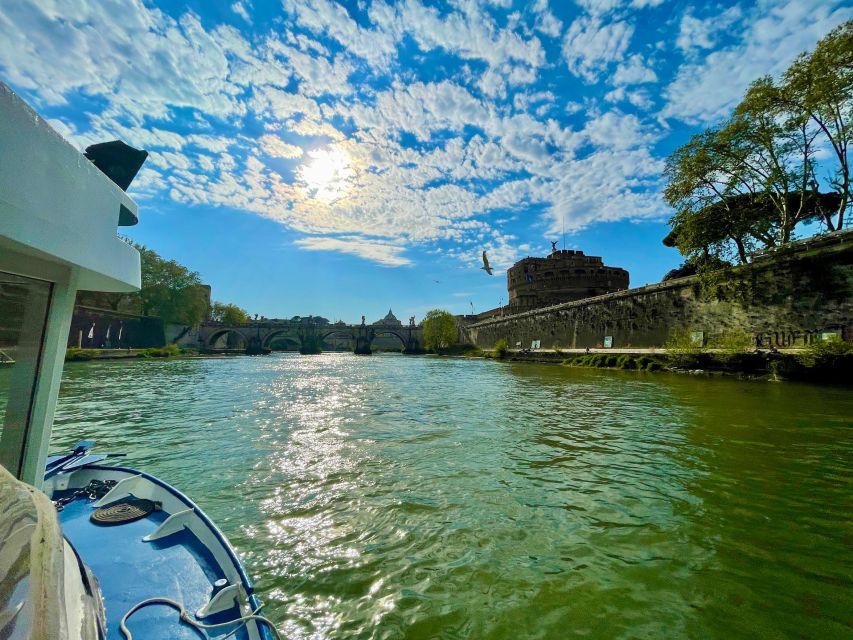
(822, 361)
(161, 352)
(75, 354)
(624, 361)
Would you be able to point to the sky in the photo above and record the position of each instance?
(340, 158)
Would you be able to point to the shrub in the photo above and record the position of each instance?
(557, 349)
(683, 350)
(654, 365)
(501, 348)
(626, 361)
(162, 352)
(643, 361)
(75, 354)
(610, 361)
(825, 351)
(731, 344)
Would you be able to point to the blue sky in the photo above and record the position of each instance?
(338, 158)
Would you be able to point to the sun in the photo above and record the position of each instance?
(326, 175)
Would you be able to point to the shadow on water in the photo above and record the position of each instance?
(393, 497)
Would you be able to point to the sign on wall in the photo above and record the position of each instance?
(608, 342)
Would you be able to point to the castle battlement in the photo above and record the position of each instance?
(562, 276)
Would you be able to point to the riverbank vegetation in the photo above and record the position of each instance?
(169, 351)
(75, 354)
(440, 332)
(624, 361)
(501, 349)
(228, 313)
(169, 291)
(779, 161)
(829, 360)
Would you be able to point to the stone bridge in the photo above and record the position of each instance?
(257, 337)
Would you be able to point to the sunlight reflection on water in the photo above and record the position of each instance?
(396, 497)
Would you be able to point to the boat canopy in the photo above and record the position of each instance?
(59, 214)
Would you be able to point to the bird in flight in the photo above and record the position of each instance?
(486, 266)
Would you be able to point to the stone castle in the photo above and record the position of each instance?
(562, 276)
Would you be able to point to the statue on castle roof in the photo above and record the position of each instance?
(554, 246)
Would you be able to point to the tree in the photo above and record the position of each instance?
(703, 177)
(439, 330)
(709, 237)
(747, 183)
(775, 148)
(818, 87)
(228, 313)
(170, 290)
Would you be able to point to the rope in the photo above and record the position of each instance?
(185, 617)
(127, 510)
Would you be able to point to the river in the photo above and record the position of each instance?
(418, 497)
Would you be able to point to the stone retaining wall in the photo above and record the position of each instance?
(786, 298)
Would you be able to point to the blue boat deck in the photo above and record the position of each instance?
(130, 570)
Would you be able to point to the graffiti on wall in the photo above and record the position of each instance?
(783, 339)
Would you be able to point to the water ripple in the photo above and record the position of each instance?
(394, 497)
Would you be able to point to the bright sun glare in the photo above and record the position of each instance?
(326, 175)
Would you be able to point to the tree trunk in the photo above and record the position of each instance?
(741, 250)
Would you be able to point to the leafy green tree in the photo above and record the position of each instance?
(170, 290)
(818, 88)
(228, 313)
(747, 183)
(439, 330)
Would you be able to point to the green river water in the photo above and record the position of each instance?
(418, 497)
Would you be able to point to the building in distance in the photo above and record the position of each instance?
(562, 276)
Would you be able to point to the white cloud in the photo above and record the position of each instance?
(470, 35)
(616, 130)
(694, 33)
(591, 45)
(164, 63)
(278, 148)
(323, 17)
(214, 106)
(383, 253)
(240, 8)
(546, 22)
(633, 71)
(601, 7)
(708, 89)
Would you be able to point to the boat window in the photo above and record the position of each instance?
(23, 314)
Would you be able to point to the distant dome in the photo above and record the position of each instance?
(390, 318)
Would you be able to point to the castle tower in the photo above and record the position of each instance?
(562, 276)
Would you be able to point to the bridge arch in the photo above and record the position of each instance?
(214, 337)
(286, 333)
(290, 343)
(346, 334)
(391, 332)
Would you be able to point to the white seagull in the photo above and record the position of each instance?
(486, 266)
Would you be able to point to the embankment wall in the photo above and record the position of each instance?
(785, 298)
